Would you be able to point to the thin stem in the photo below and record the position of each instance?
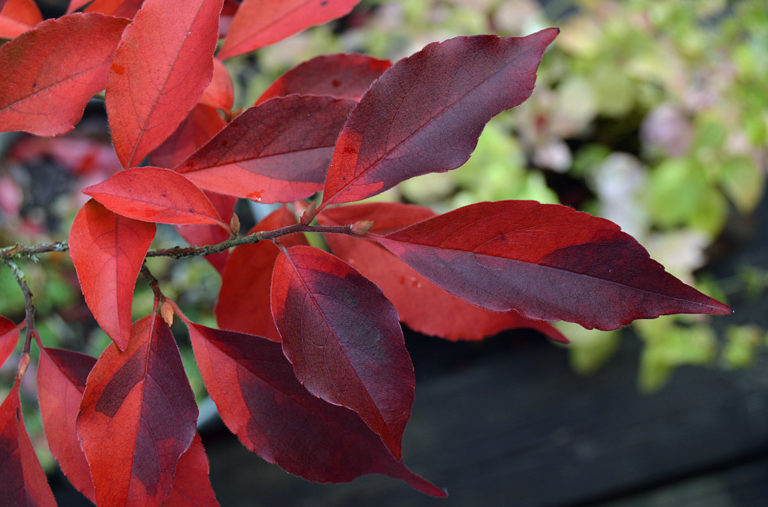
(153, 283)
(29, 308)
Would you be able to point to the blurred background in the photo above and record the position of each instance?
(651, 114)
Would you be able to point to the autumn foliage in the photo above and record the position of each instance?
(308, 367)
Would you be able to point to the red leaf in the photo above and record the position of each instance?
(17, 17)
(426, 112)
(259, 23)
(160, 69)
(191, 483)
(275, 152)
(137, 417)
(108, 251)
(198, 235)
(158, 195)
(60, 384)
(76, 4)
(343, 339)
(260, 400)
(120, 8)
(341, 75)
(51, 71)
(421, 304)
(546, 261)
(243, 302)
(9, 337)
(220, 93)
(202, 123)
(24, 481)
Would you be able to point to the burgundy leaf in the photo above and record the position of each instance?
(345, 76)
(343, 339)
(422, 305)
(243, 302)
(546, 261)
(137, 417)
(158, 195)
(278, 151)
(202, 123)
(191, 482)
(108, 250)
(9, 337)
(24, 481)
(51, 71)
(159, 72)
(61, 377)
(261, 401)
(258, 23)
(426, 112)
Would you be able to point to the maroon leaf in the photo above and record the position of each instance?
(341, 75)
(421, 304)
(9, 337)
(261, 401)
(108, 250)
(202, 123)
(137, 417)
(243, 302)
(61, 377)
(191, 482)
(24, 481)
(258, 23)
(120, 8)
(51, 71)
(343, 339)
(159, 72)
(426, 112)
(278, 151)
(158, 195)
(546, 261)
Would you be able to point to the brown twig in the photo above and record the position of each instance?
(29, 308)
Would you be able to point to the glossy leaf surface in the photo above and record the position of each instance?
(159, 72)
(107, 250)
(258, 23)
(9, 337)
(61, 377)
(60, 58)
(24, 482)
(153, 194)
(420, 303)
(200, 125)
(191, 482)
(426, 112)
(137, 417)
(345, 76)
(278, 151)
(546, 261)
(17, 17)
(343, 339)
(261, 401)
(243, 302)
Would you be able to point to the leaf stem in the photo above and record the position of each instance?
(29, 308)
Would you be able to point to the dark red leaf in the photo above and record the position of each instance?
(107, 251)
(343, 339)
(198, 235)
(51, 71)
(158, 195)
(275, 152)
(259, 23)
(421, 304)
(426, 112)
(260, 400)
(159, 72)
(243, 302)
(2, 4)
(202, 123)
(546, 261)
(227, 15)
(23, 481)
(220, 93)
(61, 377)
(9, 337)
(345, 76)
(191, 482)
(17, 17)
(121, 8)
(137, 417)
